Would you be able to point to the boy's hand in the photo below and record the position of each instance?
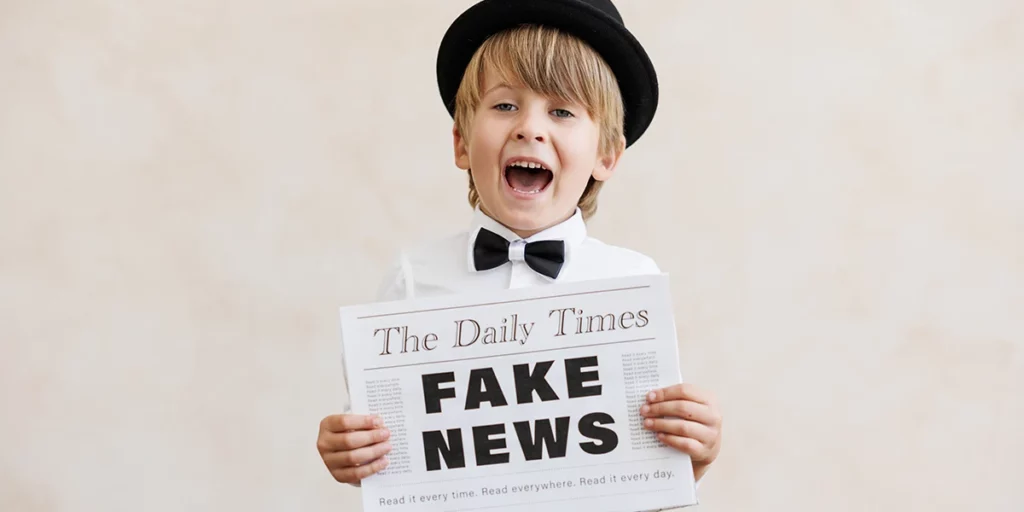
(353, 446)
(687, 419)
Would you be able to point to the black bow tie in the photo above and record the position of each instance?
(491, 250)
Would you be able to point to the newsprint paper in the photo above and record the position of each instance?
(520, 400)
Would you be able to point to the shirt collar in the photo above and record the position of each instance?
(572, 230)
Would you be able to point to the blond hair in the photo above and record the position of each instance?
(554, 64)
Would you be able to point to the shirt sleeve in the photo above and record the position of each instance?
(650, 267)
(397, 283)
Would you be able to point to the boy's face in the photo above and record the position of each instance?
(530, 156)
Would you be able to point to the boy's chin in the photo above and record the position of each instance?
(530, 218)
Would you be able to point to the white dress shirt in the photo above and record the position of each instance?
(446, 266)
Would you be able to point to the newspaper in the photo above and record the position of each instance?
(525, 399)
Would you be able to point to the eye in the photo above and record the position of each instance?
(563, 113)
(505, 107)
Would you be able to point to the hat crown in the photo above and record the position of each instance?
(605, 6)
(596, 22)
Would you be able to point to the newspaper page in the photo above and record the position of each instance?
(519, 400)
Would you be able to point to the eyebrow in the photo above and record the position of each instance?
(496, 87)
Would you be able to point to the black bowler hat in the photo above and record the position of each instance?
(597, 22)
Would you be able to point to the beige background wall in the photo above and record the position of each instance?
(189, 189)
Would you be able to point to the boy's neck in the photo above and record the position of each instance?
(524, 234)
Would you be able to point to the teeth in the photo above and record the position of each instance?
(527, 165)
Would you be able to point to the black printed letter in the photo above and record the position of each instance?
(478, 380)
(527, 383)
(574, 378)
(483, 445)
(533, 447)
(434, 447)
(432, 394)
(589, 428)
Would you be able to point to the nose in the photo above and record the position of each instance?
(524, 135)
(530, 127)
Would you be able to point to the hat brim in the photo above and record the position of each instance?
(629, 61)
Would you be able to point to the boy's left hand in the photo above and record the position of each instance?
(686, 418)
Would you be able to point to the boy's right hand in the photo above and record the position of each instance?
(353, 446)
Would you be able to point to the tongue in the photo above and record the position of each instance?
(527, 180)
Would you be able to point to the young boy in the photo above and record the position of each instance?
(546, 95)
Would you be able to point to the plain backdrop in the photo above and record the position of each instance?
(189, 190)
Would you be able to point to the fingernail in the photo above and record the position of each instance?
(387, 447)
(385, 462)
(648, 423)
(385, 434)
(645, 409)
(651, 396)
(377, 422)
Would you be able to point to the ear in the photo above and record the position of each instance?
(607, 163)
(461, 153)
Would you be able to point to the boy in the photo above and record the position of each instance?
(546, 95)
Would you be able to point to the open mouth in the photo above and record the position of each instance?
(528, 177)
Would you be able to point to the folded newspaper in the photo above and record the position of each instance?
(525, 399)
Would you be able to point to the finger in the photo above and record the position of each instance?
(357, 457)
(686, 410)
(347, 422)
(682, 391)
(358, 474)
(682, 428)
(691, 447)
(334, 442)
